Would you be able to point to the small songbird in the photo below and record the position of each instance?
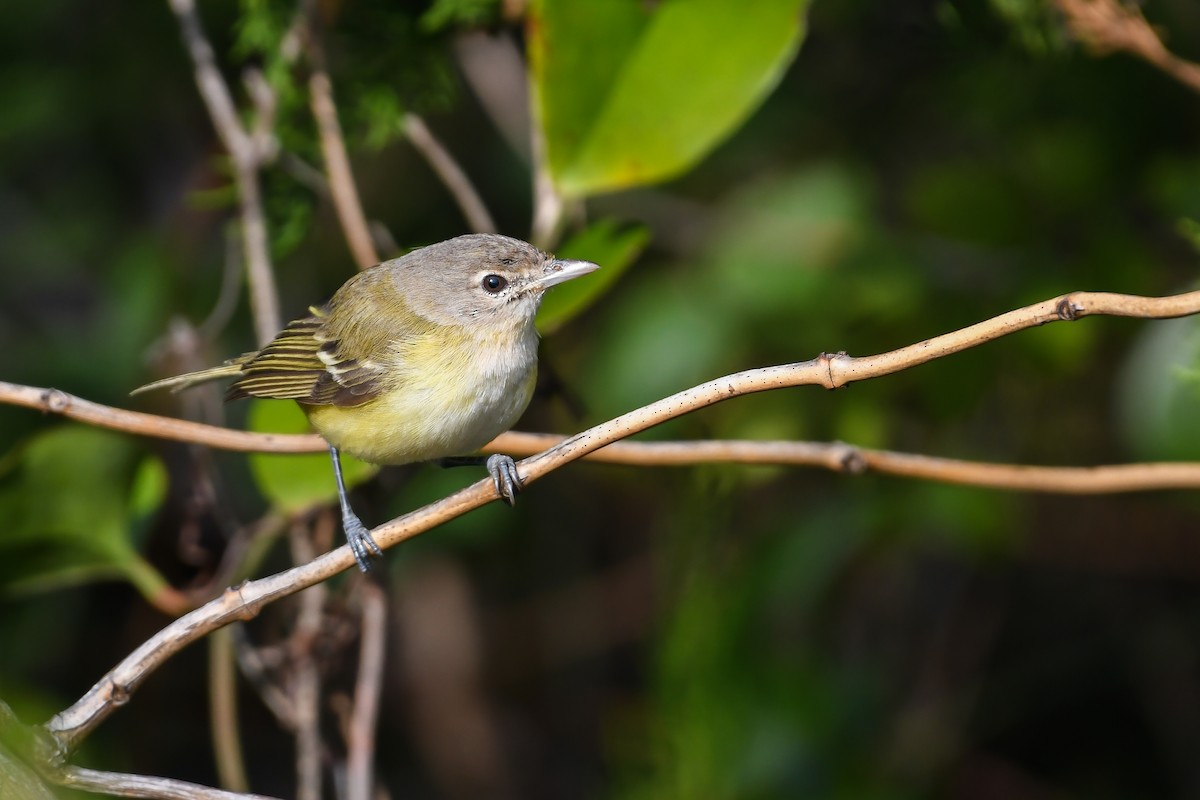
(425, 357)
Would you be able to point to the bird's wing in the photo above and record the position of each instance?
(315, 360)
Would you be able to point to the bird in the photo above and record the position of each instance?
(426, 357)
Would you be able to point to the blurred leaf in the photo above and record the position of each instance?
(295, 482)
(468, 13)
(614, 250)
(67, 497)
(1160, 393)
(631, 92)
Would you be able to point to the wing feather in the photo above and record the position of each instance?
(308, 362)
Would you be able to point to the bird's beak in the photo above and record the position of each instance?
(560, 270)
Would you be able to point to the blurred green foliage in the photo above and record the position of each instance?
(913, 169)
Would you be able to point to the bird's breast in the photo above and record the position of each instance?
(447, 393)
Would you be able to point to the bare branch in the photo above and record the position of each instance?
(549, 207)
(1108, 25)
(360, 733)
(337, 163)
(125, 785)
(244, 601)
(450, 173)
(247, 153)
(223, 710)
(306, 689)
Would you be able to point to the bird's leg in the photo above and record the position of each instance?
(501, 467)
(357, 535)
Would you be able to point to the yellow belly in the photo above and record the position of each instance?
(421, 420)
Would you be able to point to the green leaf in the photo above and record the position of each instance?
(602, 242)
(68, 497)
(630, 92)
(295, 482)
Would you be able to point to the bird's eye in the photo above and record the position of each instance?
(493, 284)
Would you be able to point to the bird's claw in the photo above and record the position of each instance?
(504, 474)
(361, 543)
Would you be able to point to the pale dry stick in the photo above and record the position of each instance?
(854, 460)
(835, 456)
(342, 187)
(306, 691)
(451, 174)
(246, 152)
(73, 724)
(1109, 25)
(122, 784)
(549, 207)
(360, 730)
(223, 712)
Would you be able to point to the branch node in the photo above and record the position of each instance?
(829, 380)
(850, 459)
(55, 401)
(1068, 310)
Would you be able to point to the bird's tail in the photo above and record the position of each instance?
(178, 383)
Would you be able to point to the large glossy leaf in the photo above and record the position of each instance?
(71, 498)
(295, 482)
(608, 245)
(630, 92)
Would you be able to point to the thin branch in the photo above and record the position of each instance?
(306, 688)
(360, 730)
(549, 207)
(337, 163)
(450, 173)
(72, 725)
(125, 785)
(54, 401)
(247, 153)
(223, 710)
(836, 456)
(1108, 25)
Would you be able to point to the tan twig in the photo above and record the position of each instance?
(54, 401)
(306, 687)
(451, 174)
(223, 711)
(1109, 25)
(829, 371)
(360, 731)
(247, 153)
(549, 207)
(342, 187)
(126, 785)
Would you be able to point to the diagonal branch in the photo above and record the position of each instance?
(1109, 25)
(244, 601)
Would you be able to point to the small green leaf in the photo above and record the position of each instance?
(630, 92)
(614, 250)
(66, 496)
(295, 482)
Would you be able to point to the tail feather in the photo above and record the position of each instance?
(178, 383)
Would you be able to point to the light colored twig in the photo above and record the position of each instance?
(306, 684)
(836, 456)
(549, 207)
(223, 710)
(247, 153)
(451, 174)
(342, 187)
(360, 730)
(1109, 25)
(244, 601)
(125, 785)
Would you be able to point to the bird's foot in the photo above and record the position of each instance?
(359, 538)
(504, 474)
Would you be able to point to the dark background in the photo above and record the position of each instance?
(716, 631)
